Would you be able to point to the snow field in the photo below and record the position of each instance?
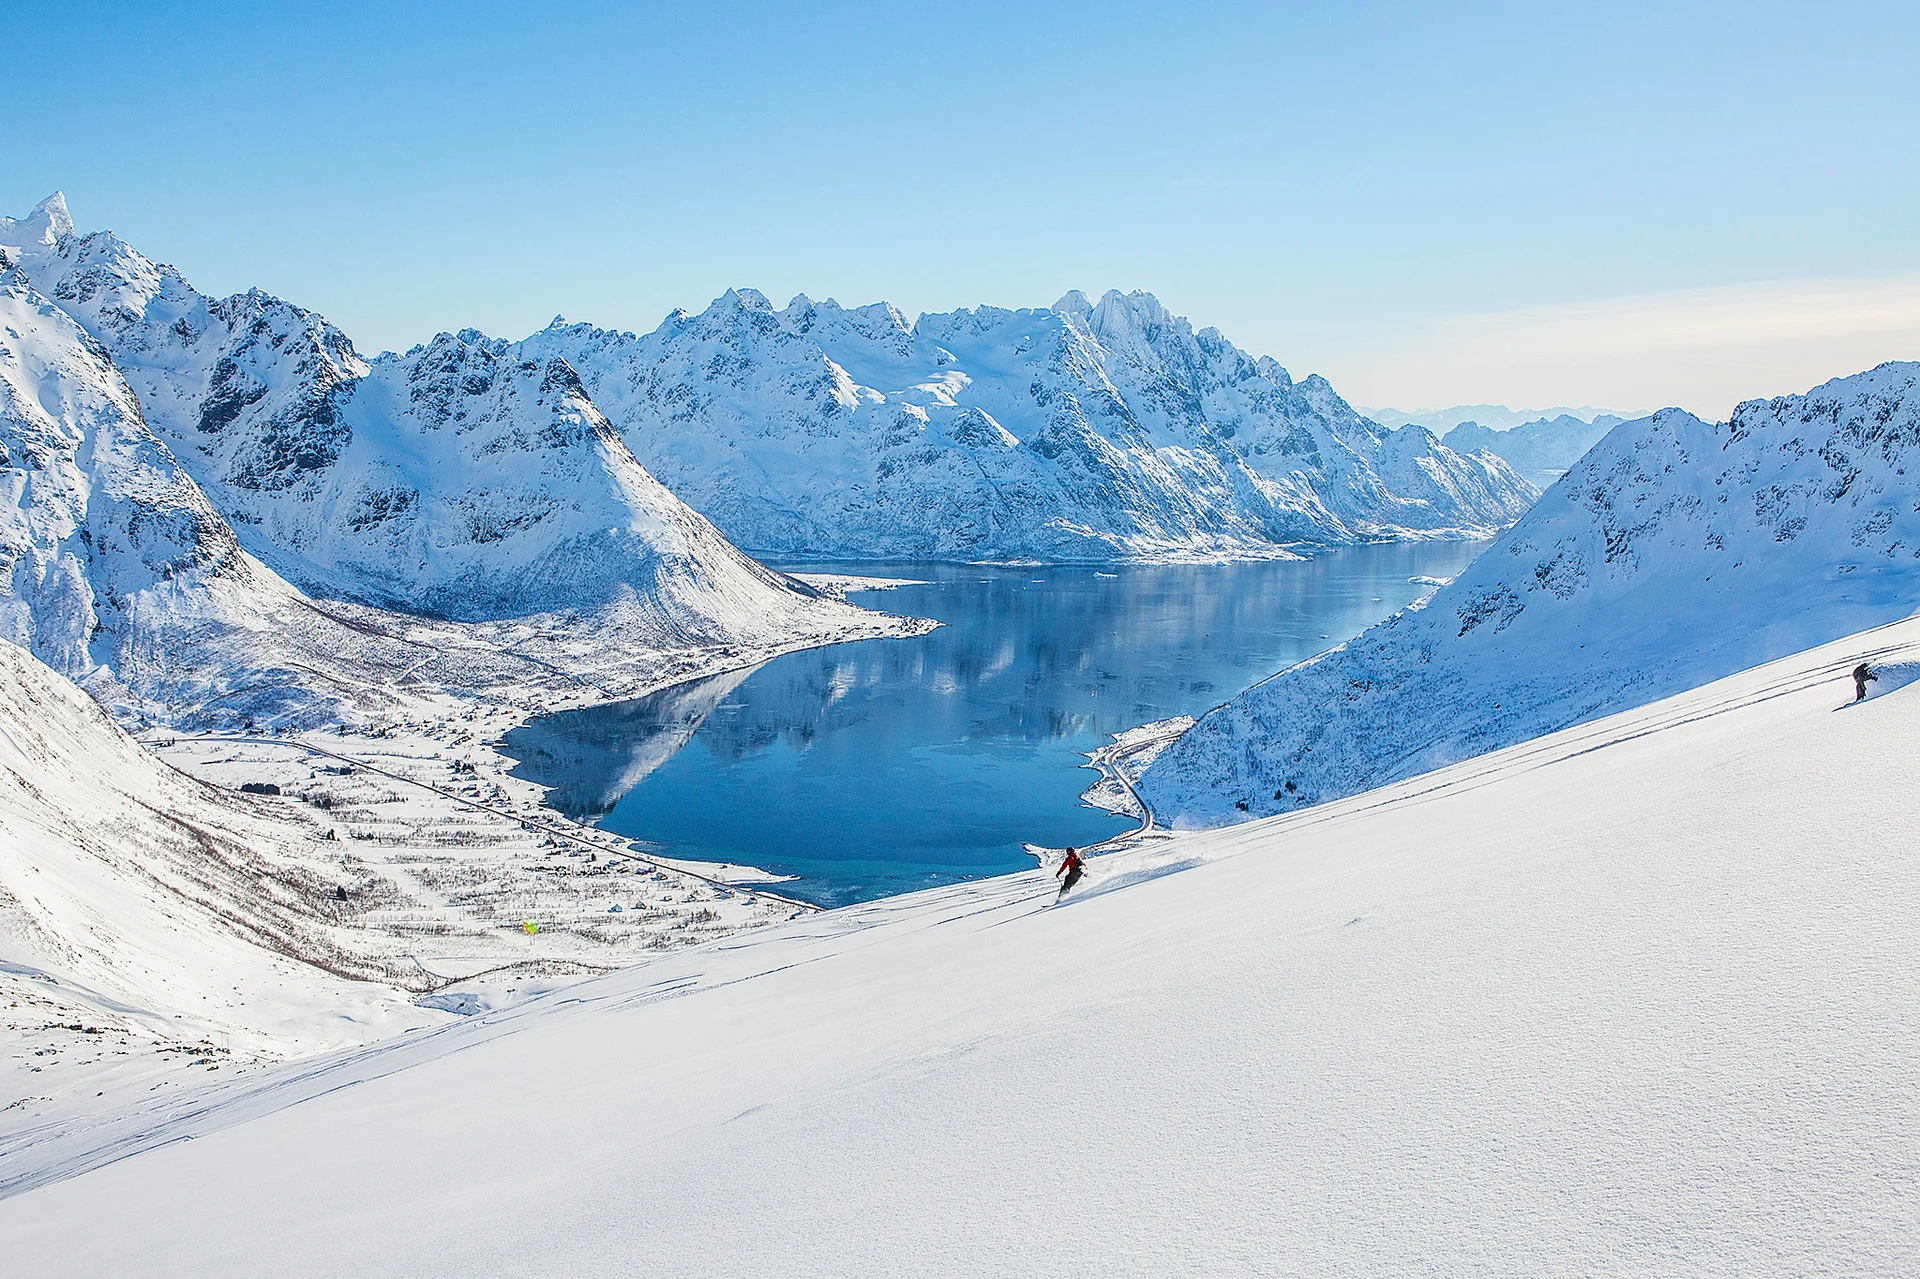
(1634, 998)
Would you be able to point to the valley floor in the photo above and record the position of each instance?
(1634, 998)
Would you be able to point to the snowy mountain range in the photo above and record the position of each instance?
(1542, 449)
(188, 474)
(1676, 551)
(455, 481)
(1079, 432)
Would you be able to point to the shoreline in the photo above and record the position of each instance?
(1114, 792)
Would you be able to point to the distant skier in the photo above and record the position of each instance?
(1861, 674)
(1073, 866)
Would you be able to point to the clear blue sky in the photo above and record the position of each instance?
(1412, 198)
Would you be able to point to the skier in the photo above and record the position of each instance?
(1074, 866)
(1861, 674)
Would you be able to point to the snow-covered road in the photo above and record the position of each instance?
(1633, 999)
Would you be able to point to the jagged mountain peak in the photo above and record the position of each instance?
(1135, 306)
(802, 313)
(743, 299)
(45, 225)
(1074, 302)
(1412, 438)
(1268, 367)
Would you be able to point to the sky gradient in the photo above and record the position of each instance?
(1624, 205)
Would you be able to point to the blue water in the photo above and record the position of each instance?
(888, 765)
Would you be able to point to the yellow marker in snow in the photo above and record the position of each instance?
(529, 927)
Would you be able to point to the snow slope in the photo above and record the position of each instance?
(460, 480)
(1078, 432)
(154, 926)
(149, 893)
(1542, 449)
(1674, 552)
(1632, 999)
(101, 527)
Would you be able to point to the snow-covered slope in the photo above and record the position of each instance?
(1077, 432)
(156, 929)
(1674, 552)
(1542, 449)
(115, 569)
(145, 892)
(1635, 999)
(100, 521)
(462, 479)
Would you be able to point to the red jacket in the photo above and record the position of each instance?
(1073, 862)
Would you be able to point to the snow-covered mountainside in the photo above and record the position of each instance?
(1636, 999)
(1077, 432)
(117, 572)
(1542, 449)
(101, 526)
(462, 479)
(156, 929)
(1674, 552)
(137, 890)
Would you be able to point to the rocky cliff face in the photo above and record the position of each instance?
(1675, 552)
(1079, 432)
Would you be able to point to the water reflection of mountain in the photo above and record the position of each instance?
(884, 765)
(1085, 655)
(590, 758)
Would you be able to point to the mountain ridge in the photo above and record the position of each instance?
(1674, 552)
(1085, 432)
(1495, 417)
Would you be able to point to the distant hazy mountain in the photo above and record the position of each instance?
(1495, 416)
(1541, 450)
